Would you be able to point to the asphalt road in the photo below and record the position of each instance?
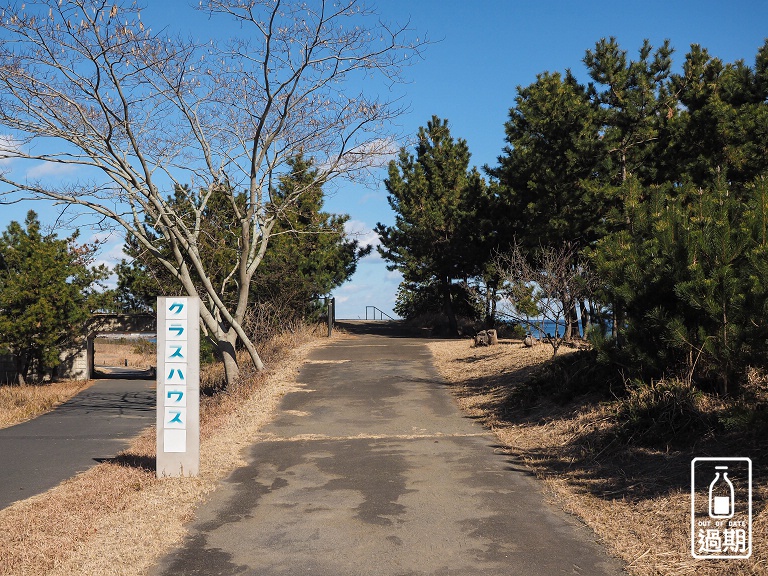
(92, 426)
(372, 470)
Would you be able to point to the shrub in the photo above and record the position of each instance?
(664, 413)
(570, 376)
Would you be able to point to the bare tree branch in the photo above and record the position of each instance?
(89, 84)
(542, 287)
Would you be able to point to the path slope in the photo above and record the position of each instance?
(371, 469)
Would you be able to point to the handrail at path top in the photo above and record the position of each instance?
(375, 310)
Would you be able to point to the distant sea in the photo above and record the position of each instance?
(547, 327)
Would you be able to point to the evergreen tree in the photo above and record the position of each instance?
(691, 277)
(47, 292)
(635, 103)
(547, 169)
(684, 267)
(309, 253)
(144, 277)
(720, 129)
(661, 179)
(549, 194)
(435, 198)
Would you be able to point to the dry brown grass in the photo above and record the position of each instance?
(636, 499)
(21, 403)
(117, 518)
(112, 352)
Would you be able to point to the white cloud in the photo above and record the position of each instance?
(371, 285)
(361, 232)
(104, 237)
(50, 170)
(10, 148)
(111, 253)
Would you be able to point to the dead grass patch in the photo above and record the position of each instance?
(21, 403)
(636, 498)
(117, 518)
(124, 352)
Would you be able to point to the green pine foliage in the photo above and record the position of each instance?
(417, 300)
(547, 192)
(48, 289)
(635, 103)
(660, 179)
(656, 178)
(687, 276)
(438, 236)
(309, 253)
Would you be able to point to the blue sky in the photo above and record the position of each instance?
(484, 50)
(481, 51)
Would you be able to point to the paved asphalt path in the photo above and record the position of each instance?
(370, 469)
(94, 425)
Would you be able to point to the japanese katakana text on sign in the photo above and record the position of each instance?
(178, 355)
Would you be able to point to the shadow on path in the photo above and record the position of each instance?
(370, 468)
(123, 373)
(388, 328)
(93, 426)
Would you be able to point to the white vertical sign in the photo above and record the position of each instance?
(178, 386)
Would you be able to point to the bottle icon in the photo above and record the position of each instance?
(721, 498)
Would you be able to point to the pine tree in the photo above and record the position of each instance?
(721, 127)
(549, 196)
(47, 292)
(434, 195)
(309, 253)
(634, 105)
(547, 168)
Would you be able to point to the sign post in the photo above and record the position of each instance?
(178, 386)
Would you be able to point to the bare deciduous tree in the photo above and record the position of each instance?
(90, 84)
(546, 287)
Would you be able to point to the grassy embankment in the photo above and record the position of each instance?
(117, 518)
(616, 456)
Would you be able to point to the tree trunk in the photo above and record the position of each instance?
(618, 319)
(488, 313)
(596, 317)
(586, 318)
(453, 325)
(253, 354)
(225, 341)
(573, 320)
(570, 318)
(229, 357)
(493, 306)
(22, 369)
(490, 305)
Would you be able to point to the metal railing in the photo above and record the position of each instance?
(374, 311)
